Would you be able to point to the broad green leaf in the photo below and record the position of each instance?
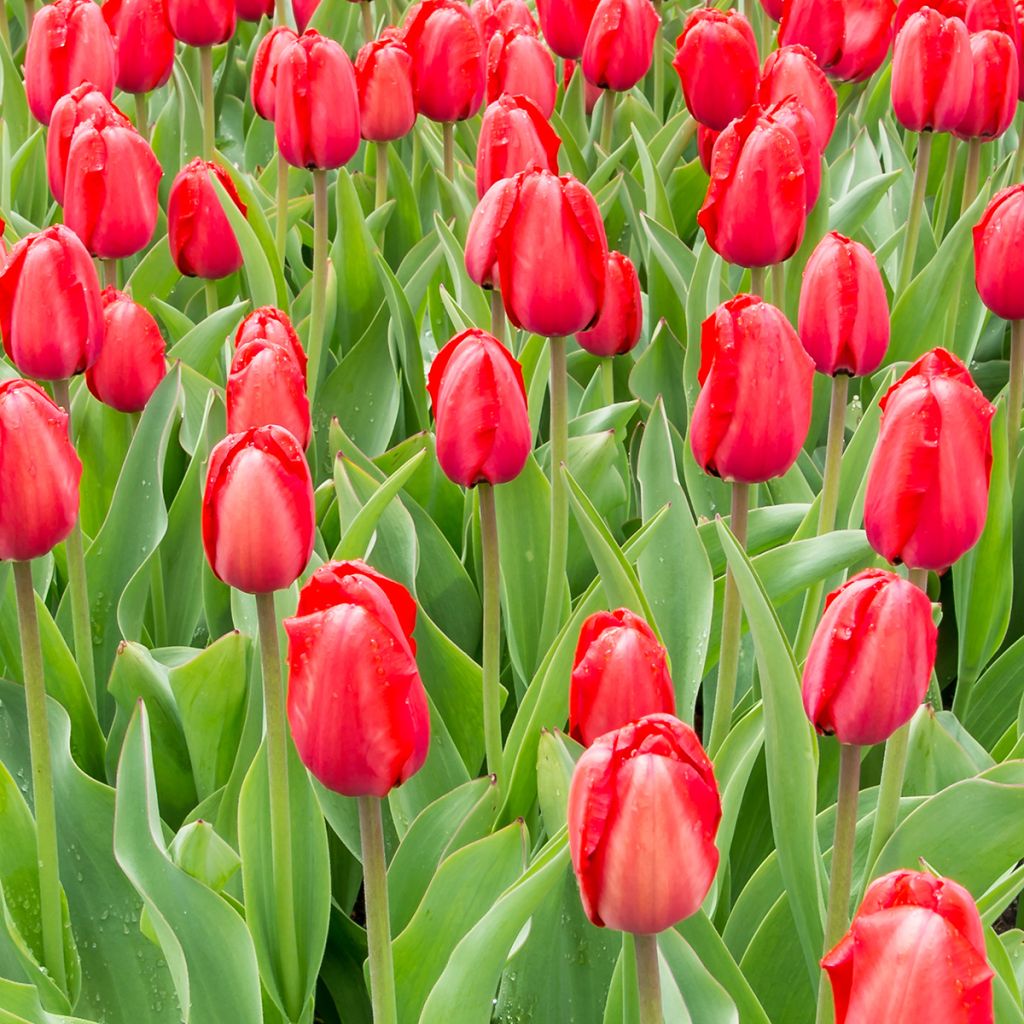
(259, 278)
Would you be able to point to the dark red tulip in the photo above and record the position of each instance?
(620, 43)
(816, 24)
(619, 674)
(514, 135)
(618, 327)
(754, 408)
(501, 16)
(999, 256)
(867, 34)
(273, 325)
(519, 64)
(927, 490)
(565, 24)
(304, 11)
(994, 86)
(263, 82)
(773, 8)
(202, 22)
(266, 385)
(51, 314)
(356, 704)
(143, 41)
(791, 71)
(643, 802)
(254, 10)
(387, 107)
(706, 139)
(800, 121)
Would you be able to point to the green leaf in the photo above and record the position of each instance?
(848, 214)
(259, 278)
(202, 348)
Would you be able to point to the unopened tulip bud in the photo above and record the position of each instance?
(514, 136)
(519, 64)
(267, 386)
(387, 106)
(618, 328)
(791, 71)
(620, 43)
(202, 22)
(144, 43)
(263, 82)
(999, 254)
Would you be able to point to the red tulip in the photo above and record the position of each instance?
(816, 24)
(316, 105)
(791, 71)
(947, 8)
(591, 92)
(619, 674)
(273, 325)
(487, 222)
(716, 59)
(387, 107)
(514, 136)
(519, 64)
(998, 254)
(202, 241)
(202, 22)
(131, 362)
(479, 399)
(565, 24)
(994, 86)
(143, 41)
(618, 327)
(266, 385)
(773, 8)
(754, 408)
(867, 34)
(1000, 16)
(51, 315)
(258, 516)
(304, 11)
(800, 121)
(448, 64)
(263, 83)
(915, 953)
(756, 206)
(927, 491)
(868, 667)
(110, 192)
(356, 703)
(254, 10)
(620, 43)
(931, 72)
(69, 44)
(706, 139)
(1019, 11)
(844, 313)
(643, 814)
(502, 16)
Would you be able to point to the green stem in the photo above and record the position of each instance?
(281, 13)
(890, 787)
(917, 198)
(648, 976)
(368, 32)
(109, 273)
(210, 292)
(1018, 166)
(319, 304)
(607, 120)
(378, 922)
(608, 380)
(946, 193)
(381, 181)
(209, 111)
(50, 914)
(77, 581)
(1015, 393)
(497, 316)
(919, 577)
(142, 114)
(492, 630)
(659, 67)
(280, 811)
(778, 274)
(757, 281)
(732, 621)
(30, 13)
(448, 134)
(281, 223)
(5, 27)
(971, 175)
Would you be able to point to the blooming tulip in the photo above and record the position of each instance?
(618, 327)
(273, 325)
(387, 107)
(998, 254)
(706, 139)
(258, 516)
(927, 490)
(503, 16)
(356, 703)
(202, 22)
(791, 71)
(514, 136)
(254, 10)
(39, 472)
(479, 398)
(519, 64)
(994, 86)
(143, 41)
(800, 121)
(131, 362)
(915, 953)
(754, 408)
(263, 82)
(619, 674)
(816, 24)
(620, 43)
(867, 33)
(51, 314)
(565, 24)
(266, 385)
(643, 814)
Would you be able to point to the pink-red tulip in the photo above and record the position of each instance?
(999, 254)
(947, 8)
(501, 16)
(994, 86)
(519, 64)
(273, 325)
(620, 43)
(387, 106)
(254, 10)
(618, 327)
(266, 385)
(565, 24)
(800, 121)
(1000, 16)
(1019, 11)
(263, 82)
(867, 34)
(706, 139)
(514, 136)
(816, 24)
(791, 71)
(202, 22)
(304, 11)
(143, 41)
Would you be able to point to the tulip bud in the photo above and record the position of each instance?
(998, 256)
(816, 24)
(994, 86)
(619, 674)
(936, 429)
(488, 220)
(201, 238)
(618, 327)
(143, 42)
(869, 663)
(69, 44)
(800, 121)
(479, 400)
(51, 314)
(258, 515)
(1000, 16)
(514, 136)
(773, 8)
(131, 362)
(263, 83)
(448, 65)
(503, 16)
(844, 313)
(316, 107)
(254, 10)
(387, 107)
(565, 24)
(266, 386)
(756, 205)
(947, 8)
(591, 92)
(519, 64)
(1019, 11)
(202, 22)
(915, 953)
(931, 72)
(356, 704)
(643, 802)
(620, 43)
(754, 408)
(867, 33)
(706, 139)
(110, 193)
(273, 325)
(304, 11)
(791, 71)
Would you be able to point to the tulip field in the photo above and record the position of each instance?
(510, 512)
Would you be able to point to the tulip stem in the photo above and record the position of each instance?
(492, 630)
(280, 13)
(281, 224)
(318, 307)
(448, 135)
(828, 503)
(51, 917)
(368, 31)
(1015, 393)
(1018, 163)
(837, 919)
(608, 380)
(77, 581)
(890, 788)
(497, 316)
(778, 274)
(280, 811)
(659, 66)
(732, 621)
(607, 120)
(972, 174)
(142, 115)
(381, 181)
(109, 273)
(559, 401)
(209, 113)
(378, 924)
(946, 193)
(210, 293)
(917, 199)
(919, 577)
(30, 13)
(757, 281)
(648, 976)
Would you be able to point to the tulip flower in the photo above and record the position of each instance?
(994, 87)
(501, 16)
(618, 327)
(718, 66)
(816, 24)
(69, 44)
(927, 489)
(905, 9)
(514, 136)
(267, 386)
(254, 10)
(915, 953)
(998, 256)
(273, 325)
(800, 121)
(51, 315)
(565, 24)
(131, 362)
(619, 46)
(143, 41)
(202, 22)
(387, 106)
(519, 64)
(304, 11)
(202, 241)
(619, 674)
(706, 139)
(263, 82)
(867, 33)
(791, 71)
